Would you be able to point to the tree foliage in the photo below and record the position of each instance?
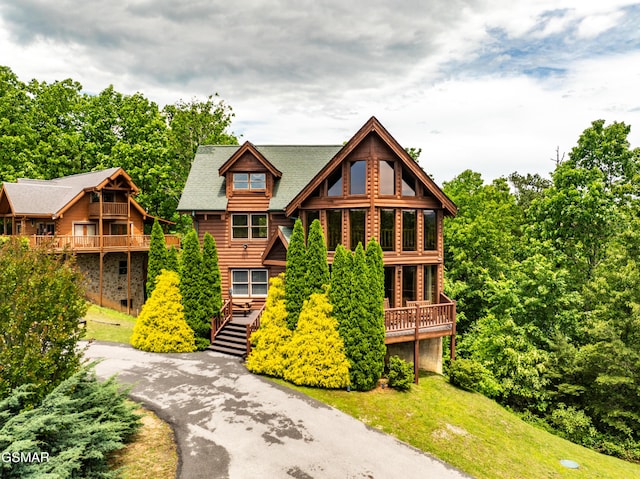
(161, 325)
(270, 342)
(295, 288)
(157, 256)
(315, 354)
(41, 303)
(211, 297)
(317, 274)
(54, 129)
(191, 287)
(71, 433)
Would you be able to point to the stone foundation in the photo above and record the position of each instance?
(430, 358)
(114, 279)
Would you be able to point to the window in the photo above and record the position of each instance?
(388, 230)
(390, 284)
(46, 229)
(387, 178)
(409, 230)
(249, 181)
(408, 183)
(430, 283)
(334, 229)
(122, 268)
(430, 230)
(108, 197)
(310, 216)
(118, 229)
(241, 229)
(249, 282)
(358, 228)
(335, 183)
(408, 284)
(358, 178)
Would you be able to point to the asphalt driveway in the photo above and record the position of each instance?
(230, 423)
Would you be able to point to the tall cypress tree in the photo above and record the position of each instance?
(295, 284)
(376, 330)
(172, 263)
(340, 291)
(191, 287)
(211, 283)
(157, 256)
(317, 274)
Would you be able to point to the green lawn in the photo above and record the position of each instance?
(471, 432)
(108, 325)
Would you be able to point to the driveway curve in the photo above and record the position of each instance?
(232, 424)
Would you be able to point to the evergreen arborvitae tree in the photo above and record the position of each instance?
(161, 325)
(191, 288)
(317, 274)
(295, 283)
(340, 291)
(375, 328)
(157, 256)
(211, 282)
(270, 341)
(172, 263)
(315, 355)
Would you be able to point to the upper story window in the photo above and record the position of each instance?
(335, 183)
(358, 178)
(250, 181)
(408, 183)
(430, 230)
(246, 226)
(387, 178)
(387, 230)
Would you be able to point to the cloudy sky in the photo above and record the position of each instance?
(495, 86)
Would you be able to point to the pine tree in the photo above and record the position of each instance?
(315, 356)
(211, 283)
(172, 263)
(271, 340)
(317, 274)
(191, 288)
(340, 291)
(294, 288)
(375, 328)
(157, 256)
(161, 325)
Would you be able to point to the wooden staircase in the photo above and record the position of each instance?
(231, 340)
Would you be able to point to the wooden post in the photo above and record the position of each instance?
(101, 244)
(453, 333)
(129, 232)
(416, 349)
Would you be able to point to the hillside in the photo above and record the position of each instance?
(472, 432)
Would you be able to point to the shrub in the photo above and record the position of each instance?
(191, 287)
(295, 285)
(157, 256)
(572, 424)
(161, 327)
(270, 341)
(317, 269)
(41, 301)
(75, 428)
(315, 356)
(400, 374)
(473, 376)
(211, 294)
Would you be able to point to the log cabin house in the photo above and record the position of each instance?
(93, 215)
(249, 196)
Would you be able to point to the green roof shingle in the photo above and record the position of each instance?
(205, 189)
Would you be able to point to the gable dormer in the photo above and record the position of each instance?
(248, 173)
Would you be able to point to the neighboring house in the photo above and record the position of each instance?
(93, 215)
(249, 196)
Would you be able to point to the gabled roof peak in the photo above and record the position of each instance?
(248, 147)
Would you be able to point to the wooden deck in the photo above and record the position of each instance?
(97, 243)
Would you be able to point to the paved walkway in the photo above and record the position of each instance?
(232, 424)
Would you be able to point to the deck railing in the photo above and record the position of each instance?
(420, 317)
(93, 241)
(218, 321)
(253, 327)
(109, 209)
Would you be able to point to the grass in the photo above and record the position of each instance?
(152, 453)
(106, 324)
(471, 432)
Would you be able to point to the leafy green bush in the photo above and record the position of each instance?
(315, 355)
(400, 374)
(270, 341)
(572, 424)
(191, 288)
(472, 376)
(70, 434)
(41, 301)
(161, 327)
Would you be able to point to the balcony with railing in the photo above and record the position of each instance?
(94, 243)
(420, 320)
(109, 210)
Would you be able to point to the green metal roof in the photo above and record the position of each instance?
(205, 189)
